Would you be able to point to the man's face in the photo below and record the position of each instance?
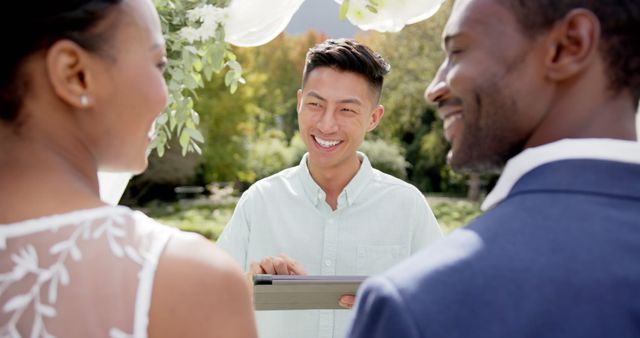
(335, 111)
(489, 90)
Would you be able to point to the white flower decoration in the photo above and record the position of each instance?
(389, 15)
(208, 17)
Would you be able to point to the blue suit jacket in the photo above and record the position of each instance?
(559, 257)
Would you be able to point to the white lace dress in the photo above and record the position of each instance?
(87, 273)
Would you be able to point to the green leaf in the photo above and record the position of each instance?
(174, 85)
(160, 150)
(344, 8)
(228, 78)
(156, 142)
(184, 138)
(195, 117)
(196, 148)
(197, 65)
(190, 81)
(229, 55)
(195, 134)
(177, 74)
(216, 53)
(191, 49)
(186, 58)
(163, 118)
(172, 120)
(208, 71)
(220, 33)
(235, 66)
(166, 132)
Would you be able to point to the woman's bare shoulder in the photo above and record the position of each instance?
(199, 291)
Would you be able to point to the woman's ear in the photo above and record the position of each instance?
(573, 44)
(375, 117)
(69, 73)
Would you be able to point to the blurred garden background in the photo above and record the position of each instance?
(252, 133)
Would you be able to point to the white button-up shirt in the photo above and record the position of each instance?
(379, 220)
(566, 149)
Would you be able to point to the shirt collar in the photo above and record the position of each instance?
(351, 191)
(568, 149)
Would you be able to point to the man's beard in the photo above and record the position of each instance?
(488, 141)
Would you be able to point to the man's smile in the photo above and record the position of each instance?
(327, 144)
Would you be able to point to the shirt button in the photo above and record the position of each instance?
(327, 262)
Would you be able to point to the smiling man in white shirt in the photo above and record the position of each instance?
(333, 214)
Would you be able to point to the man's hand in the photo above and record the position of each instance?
(274, 265)
(285, 265)
(277, 265)
(347, 301)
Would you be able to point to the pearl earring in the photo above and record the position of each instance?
(84, 100)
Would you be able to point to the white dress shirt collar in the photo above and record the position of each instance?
(350, 193)
(529, 159)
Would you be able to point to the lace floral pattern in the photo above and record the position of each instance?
(45, 281)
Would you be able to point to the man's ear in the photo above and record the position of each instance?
(375, 117)
(299, 95)
(69, 75)
(573, 44)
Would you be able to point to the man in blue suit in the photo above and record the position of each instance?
(545, 91)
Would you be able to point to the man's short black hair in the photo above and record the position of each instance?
(350, 56)
(620, 24)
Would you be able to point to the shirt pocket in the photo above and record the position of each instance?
(374, 259)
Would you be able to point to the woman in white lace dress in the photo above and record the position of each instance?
(80, 84)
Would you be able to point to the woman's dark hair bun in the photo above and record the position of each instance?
(31, 26)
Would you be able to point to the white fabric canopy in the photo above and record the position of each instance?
(254, 23)
(251, 23)
(390, 16)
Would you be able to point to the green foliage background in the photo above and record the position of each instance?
(251, 133)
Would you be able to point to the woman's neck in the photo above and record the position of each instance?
(40, 177)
